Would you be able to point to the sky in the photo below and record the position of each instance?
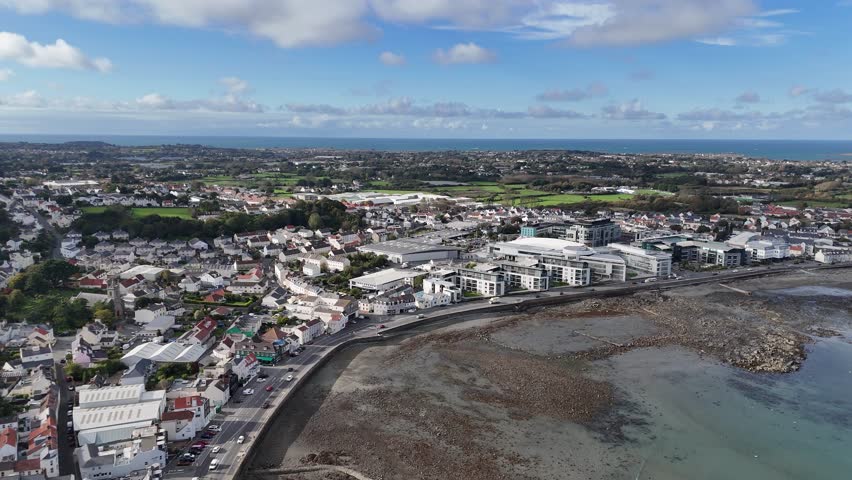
(726, 69)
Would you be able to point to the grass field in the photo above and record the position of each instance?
(140, 212)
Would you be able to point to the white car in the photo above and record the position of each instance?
(214, 464)
(214, 428)
(241, 439)
(248, 391)
(289, 378)
(216, 449)
(260, 380)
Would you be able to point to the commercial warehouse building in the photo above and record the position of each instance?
(385, 279)
(411, 250)
(111, 414)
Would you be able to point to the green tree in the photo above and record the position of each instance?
(315, 221)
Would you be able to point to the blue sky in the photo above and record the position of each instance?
(428, 68)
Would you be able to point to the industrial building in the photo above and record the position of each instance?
(111, 414)
(384, 279)
(411, 250)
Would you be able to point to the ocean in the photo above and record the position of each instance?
(808, 150)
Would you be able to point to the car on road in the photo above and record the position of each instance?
(216, 449)
(248, 391)
(289, 369)
(421, 316)
(260, 379)
(265, 405)
(241, 439)
(263, 375)
(214, 428)
(214, 464)
(289, 378)
(268, 388)
(382, 326)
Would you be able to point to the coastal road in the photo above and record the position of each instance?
(248, 418)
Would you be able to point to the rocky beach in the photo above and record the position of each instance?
(654, 385)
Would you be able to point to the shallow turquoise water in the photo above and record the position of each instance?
(710, 421)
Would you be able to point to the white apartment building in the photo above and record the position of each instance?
(658, 264)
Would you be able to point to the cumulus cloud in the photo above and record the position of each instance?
(543, 111)
(574, 94)
(464, 53)
(392, 59)
(233, 100)
(642, 75)
(632, 110)
(833, 96)
(26, 99)
(6, 74)
(293, 23)
(637, 22)
(799, 90)
(59, 54)
(748, 97)
(315, 108)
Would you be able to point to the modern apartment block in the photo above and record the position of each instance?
(649, 262)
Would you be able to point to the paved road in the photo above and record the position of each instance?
(247, 418)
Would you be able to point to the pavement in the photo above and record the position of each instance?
(248, 418)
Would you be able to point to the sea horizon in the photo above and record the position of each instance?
(800, 150)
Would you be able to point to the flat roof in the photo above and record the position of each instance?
(98, 417)
(545, 243)
(403, 246)
(125, 393)
(387, 276)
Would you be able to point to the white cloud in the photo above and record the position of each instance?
(27, 99)
(393, 59)
(464, 53)
(650, 21)
(543, 111)
(833, 96)
(575, 94)
(748, 97)
(718, 41)
(56, 55)
(233, 100)
(296, 23)
(6, 74)
(632, 110)
(799, 90)
(235, 85)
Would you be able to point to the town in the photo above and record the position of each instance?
(157, 303)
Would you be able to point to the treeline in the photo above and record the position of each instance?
(8, 228)
(320, 214)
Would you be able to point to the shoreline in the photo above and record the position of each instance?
(393, 339)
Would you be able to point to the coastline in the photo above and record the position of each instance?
(494, 309)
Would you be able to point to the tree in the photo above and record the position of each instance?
(315, 221)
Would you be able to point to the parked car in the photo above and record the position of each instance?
(216, 449)
(214, 428)
(214, 464)
(248, 391)
(260, 379)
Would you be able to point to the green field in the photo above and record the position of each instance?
(179, 212)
